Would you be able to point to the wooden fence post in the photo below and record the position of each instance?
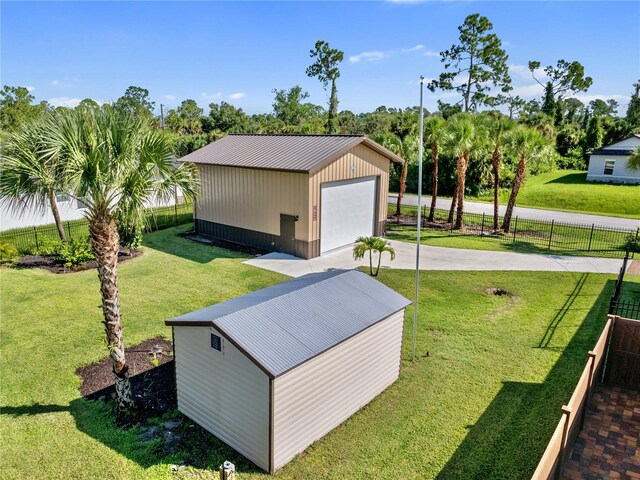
(592, 359)
(566, 411)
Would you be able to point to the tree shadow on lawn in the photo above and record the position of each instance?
(155, 435)
(174, 242)
(35, 409)
(571, 178)
(510, 437)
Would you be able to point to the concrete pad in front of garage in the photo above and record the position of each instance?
(437, 258)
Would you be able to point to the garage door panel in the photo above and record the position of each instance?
(347, 212)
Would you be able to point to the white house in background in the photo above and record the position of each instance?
(609, 164)
(69, 208)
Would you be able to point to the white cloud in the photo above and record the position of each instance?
(55, 83)
(237, 96)
(528, 91)
(588, 97)
(368, 56)
(431, 53)
(64, 102)
(30, 88)
(523, 72)
(375, 55)
(213, 96)
(415, 49)
(169, 97)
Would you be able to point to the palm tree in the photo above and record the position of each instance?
(435, 132)
(30, 176)
(496, 127)
(405, 149)
(460, 141)
(633, 162)
(526, 144)
(116, 164)
(372, 244)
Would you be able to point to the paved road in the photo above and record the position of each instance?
(438, 258)
(528, 213)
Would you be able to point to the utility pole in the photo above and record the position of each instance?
(162, 117)
(419, 224)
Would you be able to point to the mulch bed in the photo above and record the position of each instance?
(57, 266)
(153, 387)
(235, 247)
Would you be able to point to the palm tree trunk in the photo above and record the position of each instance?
(454, 203)
(521, 172)
(105, 245)
(402, 187)
(56, 215)
(495, 160)
(434, 194)
(463, 160)
(379, 262)
(370, 264)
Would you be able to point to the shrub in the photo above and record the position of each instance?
(76, 252)
(130, 236)
(7, 251)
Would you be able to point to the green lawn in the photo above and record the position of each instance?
(482, 405)
(532, 236)
(568, 190)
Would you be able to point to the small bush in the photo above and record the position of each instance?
(7, 251)
(76, 252)
(130, 237)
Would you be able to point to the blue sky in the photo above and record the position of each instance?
(240, 51)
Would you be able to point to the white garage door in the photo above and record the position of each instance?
(347, 211)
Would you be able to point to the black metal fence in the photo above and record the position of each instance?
(627, 308)
(536, 235)
(33, 238)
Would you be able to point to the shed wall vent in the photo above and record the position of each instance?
(216, 342)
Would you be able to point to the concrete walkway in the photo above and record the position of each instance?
(438, 258)
(522, 212)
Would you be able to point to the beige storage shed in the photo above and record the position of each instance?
(299, 194)
(273, 371)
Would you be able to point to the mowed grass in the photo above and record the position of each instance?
(481, 405)
(568, 190)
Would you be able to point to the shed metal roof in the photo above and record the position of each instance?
(293, 153)
(283, 326)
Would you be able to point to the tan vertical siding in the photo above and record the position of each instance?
(253, 199)
(224, 392)
(367, 163)
(317, 396)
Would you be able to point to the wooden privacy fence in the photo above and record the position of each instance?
(572, 418)
(623, 358)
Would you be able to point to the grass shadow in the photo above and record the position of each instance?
(571, 179)
(35, 409)
(148, 441)
(170, 241)
(501, 443)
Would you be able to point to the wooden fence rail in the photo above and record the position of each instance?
(572, 418)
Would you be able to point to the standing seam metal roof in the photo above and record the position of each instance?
(296, 153)
(282, 326)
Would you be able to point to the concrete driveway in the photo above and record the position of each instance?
(522, 212)
(438, 258)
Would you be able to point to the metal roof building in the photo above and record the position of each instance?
(272, 371)
(299, 194)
